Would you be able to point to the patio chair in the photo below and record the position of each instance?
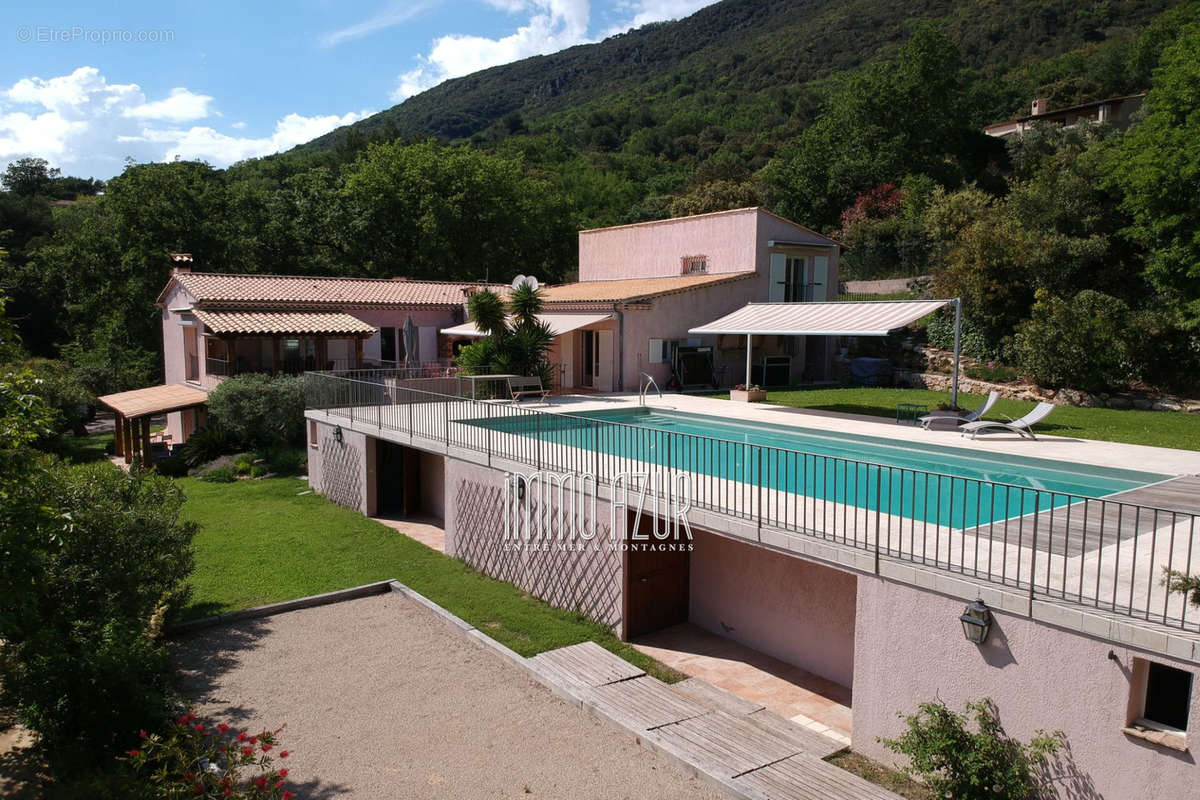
(1022, 426)
(971, 417)
(520, 388)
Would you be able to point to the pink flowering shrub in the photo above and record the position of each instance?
(194, 760)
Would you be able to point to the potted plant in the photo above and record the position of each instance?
(747, 393)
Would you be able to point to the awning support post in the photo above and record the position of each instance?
(957, 351)
(749, 345)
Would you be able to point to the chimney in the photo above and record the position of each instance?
(1040, 105)
(181, 262)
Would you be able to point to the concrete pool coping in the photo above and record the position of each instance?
(1112, 455)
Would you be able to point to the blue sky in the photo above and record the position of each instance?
(86, 86)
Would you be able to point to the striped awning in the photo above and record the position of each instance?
(871, 318)
(333, 323)
(559, 324)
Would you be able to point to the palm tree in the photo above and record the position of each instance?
(525, 303)
(487, 309)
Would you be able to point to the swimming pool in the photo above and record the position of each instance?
(954, 486)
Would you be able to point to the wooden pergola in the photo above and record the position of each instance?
(134, 409)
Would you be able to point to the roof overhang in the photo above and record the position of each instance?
(559, 324)
(842, 318)
(154, 400)
(283, 323)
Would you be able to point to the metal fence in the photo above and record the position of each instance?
(1102, 553)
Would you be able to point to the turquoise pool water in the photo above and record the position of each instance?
(928, 482)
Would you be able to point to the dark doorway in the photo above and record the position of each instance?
(815, 358)
(398, 479)
(656, 581)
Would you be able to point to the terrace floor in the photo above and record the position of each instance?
(806, 699)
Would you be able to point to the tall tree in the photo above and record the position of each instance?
(1157, 167)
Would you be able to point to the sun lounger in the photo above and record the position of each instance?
(971, 417)
(1022, 426)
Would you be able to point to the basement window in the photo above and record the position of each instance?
(1168, 696)
(1160, 702)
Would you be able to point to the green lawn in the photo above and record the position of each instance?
(261, 542)
(1158, 428)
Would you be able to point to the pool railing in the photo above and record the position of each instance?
(1102, 553)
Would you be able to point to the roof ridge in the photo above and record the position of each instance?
(409, 281)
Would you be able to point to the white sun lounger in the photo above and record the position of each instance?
(1022, 426)
(971, 417)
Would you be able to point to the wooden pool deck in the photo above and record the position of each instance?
(735, 744)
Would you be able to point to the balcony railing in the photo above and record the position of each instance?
(223, 368)
(1100, 553)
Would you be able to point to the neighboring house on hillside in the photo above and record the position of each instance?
(642, 286)
(1116, 111)
(216, 325)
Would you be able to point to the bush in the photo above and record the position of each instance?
(92, 556)
(287, 461)
(1078, 343)
(219, 475)
(59, 385)
(975, 343)
(957, 762)
(206, 444)
(194, 759)
(257, 471)
(992, 372)
(242, 464)
(172, 467)
(260, 411)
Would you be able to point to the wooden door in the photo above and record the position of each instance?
(656, 584)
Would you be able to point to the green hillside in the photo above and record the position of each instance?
(756, 46)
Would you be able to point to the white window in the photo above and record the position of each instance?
(1166, 696)
(795, 279)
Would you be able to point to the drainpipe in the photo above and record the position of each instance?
(957, 350)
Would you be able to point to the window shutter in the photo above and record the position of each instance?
(778, 276)
(656, 351)
(821, 278)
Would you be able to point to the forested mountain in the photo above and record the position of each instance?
(759, 45)
(1076, 252)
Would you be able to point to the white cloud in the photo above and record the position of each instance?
(87, 126)
(647, 11)
(551, 25)
(389, 17)
(181, 105)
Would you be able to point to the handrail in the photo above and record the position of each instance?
(644, 385)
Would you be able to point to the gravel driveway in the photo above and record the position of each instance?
(383, 700)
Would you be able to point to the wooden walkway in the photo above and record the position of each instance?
(736, 744)
(1086, 526)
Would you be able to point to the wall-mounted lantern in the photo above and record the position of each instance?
(337, 434)
(976, 621)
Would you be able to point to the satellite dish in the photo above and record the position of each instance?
(525, 279)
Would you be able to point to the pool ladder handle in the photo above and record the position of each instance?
(646, 384)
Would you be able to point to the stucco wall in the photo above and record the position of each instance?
(794, 610)
(588, 581)
(655, 250)
(433, 484)
(343, 472)
(909, 648)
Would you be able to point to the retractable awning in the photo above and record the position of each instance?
(559, 324)
(870, 318)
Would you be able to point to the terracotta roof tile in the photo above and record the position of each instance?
(297, 291)
(634, 289)
(328, 322)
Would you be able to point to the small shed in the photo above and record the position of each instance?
(134, 409)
